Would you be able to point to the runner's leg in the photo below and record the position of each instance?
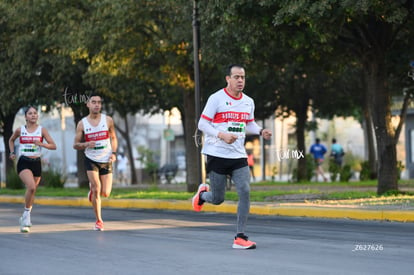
(31, 184)
(217, 188)
(95, 184)
(241, 178)
(106, 181)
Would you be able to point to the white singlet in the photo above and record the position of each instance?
(27, 146)
(100, 134)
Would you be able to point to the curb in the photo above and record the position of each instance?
(264, 209)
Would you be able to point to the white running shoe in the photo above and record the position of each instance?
(23, 228)
(26, 219)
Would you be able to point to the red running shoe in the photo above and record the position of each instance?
(99, 226)
(242, 242)
(197, 202)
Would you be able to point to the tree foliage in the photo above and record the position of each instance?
(25, 70)
(372, 33)
(342, 57)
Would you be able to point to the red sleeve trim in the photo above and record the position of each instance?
(206, 117)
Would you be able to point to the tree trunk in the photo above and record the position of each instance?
(125, 135)
(130, 155)
(384, 130)
(7, 133)
(83, 180)
(301, 118)
(190, 125)
(370, 146)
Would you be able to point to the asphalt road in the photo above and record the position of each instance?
(180, 242)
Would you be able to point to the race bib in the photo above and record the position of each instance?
(100, 145)
(237, 128)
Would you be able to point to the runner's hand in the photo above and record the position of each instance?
(227, 137)
(266, 134)
(91, 144)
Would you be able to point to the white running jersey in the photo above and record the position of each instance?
(227, 114)
(27, 146)
(100, 134)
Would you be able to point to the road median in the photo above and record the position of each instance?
(297, 209)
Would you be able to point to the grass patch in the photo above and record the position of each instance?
(271, 194)
(401, 200)
(48, 192)
(7, 191)
(145, 194)
(350, 195)
(370, 183)
(261, 196)
(151, 193)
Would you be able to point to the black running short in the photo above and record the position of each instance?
(224, 166)
(103, 168)
(33, 164)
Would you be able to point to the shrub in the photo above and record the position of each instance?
(365, 171)
(13, 181)
(400, 168)
(274, 172)
(334, 169)
(345, 173)
(310, 167)
(147, 157)
(52, 178)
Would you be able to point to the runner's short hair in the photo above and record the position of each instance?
(95, 94)
(228, 72)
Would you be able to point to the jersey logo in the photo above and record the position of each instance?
(231, 116)
(30, 139)
(97, 136)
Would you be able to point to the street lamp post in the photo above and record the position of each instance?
(196, 49)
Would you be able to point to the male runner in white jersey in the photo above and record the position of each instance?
(96, 135)
(225, 120)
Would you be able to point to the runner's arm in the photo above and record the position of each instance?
(112, 136)
(51, 145)
(14, 136)
(78, 144)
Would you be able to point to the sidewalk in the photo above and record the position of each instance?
(312, 209)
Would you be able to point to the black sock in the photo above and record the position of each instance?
(201, 201)
(241, 235)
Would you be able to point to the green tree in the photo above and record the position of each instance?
(130, 52)
(64, 31)
(372, 32)
(39, 43)
(25, 71)
(288, 66)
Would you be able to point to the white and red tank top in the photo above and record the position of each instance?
(27, 142)
(100, 134)
(227, 114)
